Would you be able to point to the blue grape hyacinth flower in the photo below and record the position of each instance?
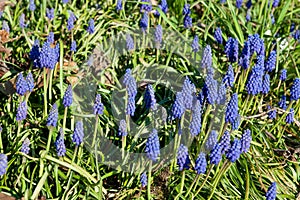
(144, 179)
(295, 90)
(68, 97)
(25, 146)
(98, 105)
(186, 9)
(246, 141)
(282, 102)
(228, 79)
(215, 154)
(187, 22)
(3, 164)
(236, 123)
(119, 5)
(22, 21)
(129, 42)
(158, 36)
(78, 134)
(144, 22)
(221, 100)
(53, 116)
(21, 85)
(266, 84)
(152, 146)
(232, 49)
(146, 6)
(32, 6)
(195, 126)
(255, 80)
(244, 60)
(188, 90)
(290, 116)
(201, 163)
(232, 109)
(5, 26)
(122, 128)
(178, 107)
(206, 61)
(211, 140)
(183, 160)
(271, 62)
(30, 82)
(149, 97)
(21, 111)
(71, 21)
(50, 13)
(60, 144)
(210, 89)
(271, 113)
(239, 3)
(234, 151)
(271, 193)
(73, 46)
(195, 44)
(218, 35)
(283, 75)
(91, 27)
(225, 142)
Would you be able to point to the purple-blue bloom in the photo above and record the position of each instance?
(32, 6)
(218, 35)
(5, 26)
(239, 3)
(187, 21)
(25, 146)
(50, 38)
(266, 84)
(232, 109)
(195, 44)
(215, 154)
(21, 85)
(271, 62)
(149, 97)
(3, 164)
(246, 141)
(244, 60)
(119, 5)
(146, 6)
(201, 163)
(221, 94)
(53, 116)
(98, 105)
(158, 34)
(91, 27)
(78, 134)
(210, 89)
(195, 126)
(122, 131)
(152, 146)
(232, 49)
(178, 107)
(144, 22)
(71, 21)
(186, 9)
(144, 179)
(282, 102)
(283, 75)
(271, 113)
(206, 61)
(295, 90)
(235, 125)
(211, 140)
(73, 46)
(21, 111)
(188, 90)
(234, 151)
(183, 160)
(290, 116)
(68, 97)
(129, 42)
(50, 13)
(225, 142)
(271, 193)
(228, 79)
(30, 82)
(255, 80)
(60, 144)
(22, 21)
(249, 4)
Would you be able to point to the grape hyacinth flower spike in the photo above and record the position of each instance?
(201, 163)
(234, 151)
(143, 179)
(129, 42)
(290, 116)
(158, 34)
(119, 5)
(68, 97)
(21, 85)
(122, 128)
(149, 97)
(60, 144)
(232, 109)
(228, 80)
(245, 141)
(295, 90)
(22, 21)
(178, 107)
(53, 116)
(3, 164)
(218, 35)
(195, 126)
(30, 82)
(283, 75)
(225, 142)
(195, 44)
(25, 146)
(271, 193)
(91, 27)
(215, 154)
(98, 105)
(271, 113)
(50, 13)
(211, 140)
(183, 160)
(144, 22)
(73, 46)
(71, 21)
(78, 134)
(152, 146)
(21, 111)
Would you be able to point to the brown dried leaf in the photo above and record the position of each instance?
(6, 197)
(4, 3)
(4, 36)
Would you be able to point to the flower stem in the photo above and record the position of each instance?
(45, 92)
(49, 139)
(149, 182)
(203, 183)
